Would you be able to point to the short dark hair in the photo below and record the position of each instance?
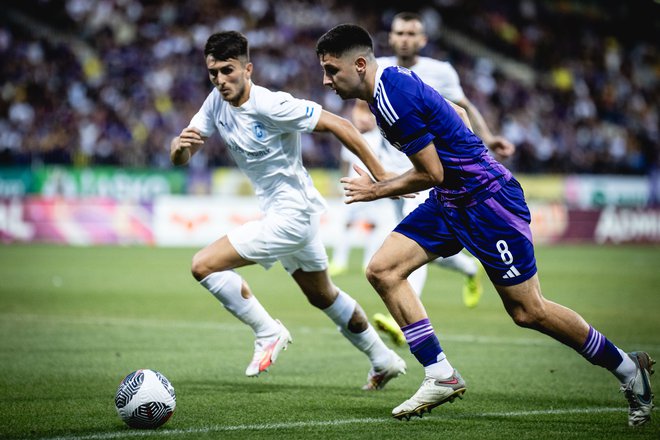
(408, 16)
(225, 45)
(342, 38)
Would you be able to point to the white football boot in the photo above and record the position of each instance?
(431, 393)
(266, 351)
(638, 391)
(377, 379)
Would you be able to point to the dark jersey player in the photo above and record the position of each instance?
(475, 204)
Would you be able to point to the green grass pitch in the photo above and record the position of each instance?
(74, 321)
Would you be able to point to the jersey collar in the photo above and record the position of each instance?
(379, 73)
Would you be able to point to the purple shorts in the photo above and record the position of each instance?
(495, 230)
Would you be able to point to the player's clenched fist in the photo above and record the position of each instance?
(184, 145)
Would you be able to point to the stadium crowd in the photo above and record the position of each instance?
(111, 81)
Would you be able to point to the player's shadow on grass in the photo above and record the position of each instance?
(325, 400)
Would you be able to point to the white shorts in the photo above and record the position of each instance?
(291, 237)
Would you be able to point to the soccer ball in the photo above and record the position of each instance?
(145, 399)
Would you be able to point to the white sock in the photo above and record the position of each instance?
(417, 279)
(460, 262)
(373, 243)
(368, 341)
(626, 370)
(226, 287)
(441, 369)
(341, 251)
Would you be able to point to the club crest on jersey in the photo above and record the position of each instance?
(258, 130)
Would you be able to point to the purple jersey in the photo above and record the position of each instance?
(479, 205)
(412, 115)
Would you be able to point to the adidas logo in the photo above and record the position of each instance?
(511, 273)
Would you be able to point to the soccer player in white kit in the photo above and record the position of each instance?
(407, 38)
(262, 129)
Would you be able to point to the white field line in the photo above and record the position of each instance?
(163, 433)
(538, 340)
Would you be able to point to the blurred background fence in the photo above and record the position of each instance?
(91, 92)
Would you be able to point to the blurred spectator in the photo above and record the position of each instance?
(110, 81)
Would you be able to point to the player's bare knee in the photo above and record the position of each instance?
(199, 268)
(378, 275)
(528, 317)
(375, 280)
(520, 318)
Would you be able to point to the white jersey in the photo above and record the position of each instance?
(440, 75)
(391, 158)
(263, 137)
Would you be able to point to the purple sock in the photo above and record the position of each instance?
(424, 345)
(598, 350)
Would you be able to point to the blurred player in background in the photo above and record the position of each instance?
(373, 223)
(407, 38)
(476, 204)
(262, 132)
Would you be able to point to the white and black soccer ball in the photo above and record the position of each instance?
(145, 399)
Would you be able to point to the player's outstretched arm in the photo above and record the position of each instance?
(185, 145)
(497, 144)
(427, 171)
(462, 113)
(349, 136)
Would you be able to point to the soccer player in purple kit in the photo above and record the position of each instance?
(475, 204)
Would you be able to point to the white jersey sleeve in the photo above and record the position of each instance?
(440, 75)
(203, 119)
(291, 114)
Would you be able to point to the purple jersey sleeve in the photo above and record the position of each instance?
(412, 115)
